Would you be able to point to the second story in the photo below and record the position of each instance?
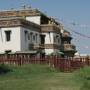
(52, 34)
(33, 15)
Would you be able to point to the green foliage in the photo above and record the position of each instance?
(83, 76)
(4, 69)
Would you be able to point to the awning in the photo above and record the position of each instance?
(60, 53)
(57, 53)
(26, 52)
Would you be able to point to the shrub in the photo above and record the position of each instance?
(4, 69)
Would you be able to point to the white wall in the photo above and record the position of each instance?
(35, 19)
(14, 43)
(49, 39)
(17, 42)
(56, 39)
(25, 43)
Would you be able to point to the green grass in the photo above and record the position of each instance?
(83, 76)
(38, 77)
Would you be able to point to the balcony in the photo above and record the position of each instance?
(46, 46)
(68, 47)
(50, 28)
(38, 46)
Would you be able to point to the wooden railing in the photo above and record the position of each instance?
(69, 47)
(62, 64)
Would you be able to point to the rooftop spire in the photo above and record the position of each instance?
(24, 6)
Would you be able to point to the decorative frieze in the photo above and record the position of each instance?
(19, 22)
(19, 13)
(7, 23)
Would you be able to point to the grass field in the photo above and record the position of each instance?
(38, 77)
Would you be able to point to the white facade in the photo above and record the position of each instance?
(34, 19)
(31, 37)
(21, 37)
(31, 30)
(50, 38)
(14, 43)
(18, 40)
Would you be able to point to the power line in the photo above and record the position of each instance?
(80, 25)
(78, 33)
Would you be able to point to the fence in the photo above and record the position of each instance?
(62, 64)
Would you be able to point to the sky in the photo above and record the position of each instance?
(73, 14)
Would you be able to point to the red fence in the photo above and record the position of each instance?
(61, 64)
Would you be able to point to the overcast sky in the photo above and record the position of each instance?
(74, 14)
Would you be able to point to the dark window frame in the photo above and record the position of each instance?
(8, 35)
(26, 33)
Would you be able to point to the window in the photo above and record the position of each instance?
(31, 34)
(26, 33)
(8, 35)
(42, 37)
(36, 37)
(54, 39)
(30, 46)
(28, 36)
(58, 40)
